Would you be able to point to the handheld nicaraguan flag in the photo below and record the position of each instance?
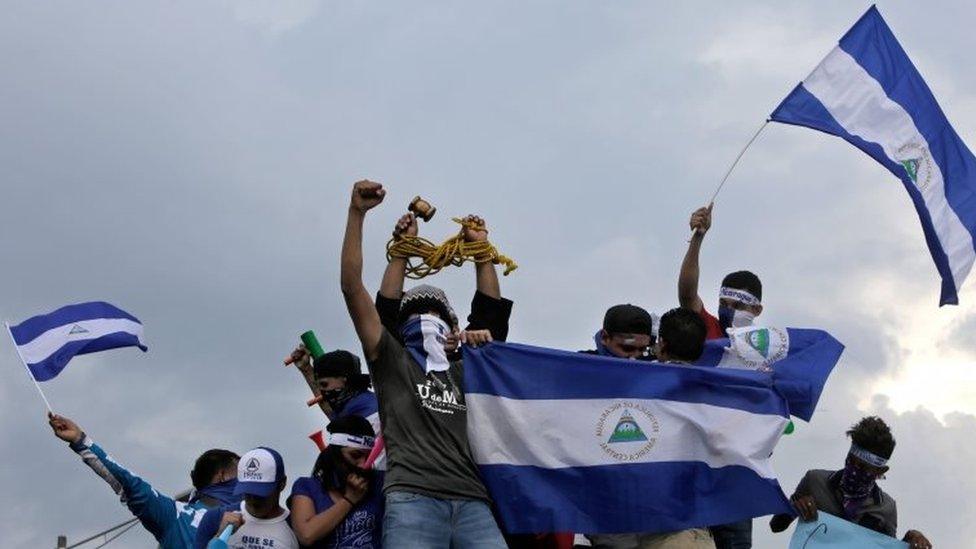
(47, 342)
(798, 360)
(868, 92)
(570, 442)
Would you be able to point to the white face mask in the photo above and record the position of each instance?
(741, 319)
(734, 318)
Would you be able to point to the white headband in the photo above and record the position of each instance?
(867, 457)
(741, 296)
(351, 441)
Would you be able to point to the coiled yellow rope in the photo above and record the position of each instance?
(454, 251)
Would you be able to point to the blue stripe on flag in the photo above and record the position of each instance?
(801, 108)
(51, 366)
(28, 330)
(538, 373)
(629, 497)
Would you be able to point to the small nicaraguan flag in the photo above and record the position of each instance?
(868, 92)
(571, 442)
(798, 360)
(47, 342)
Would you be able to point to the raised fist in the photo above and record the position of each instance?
(478, 232)
(366, 195)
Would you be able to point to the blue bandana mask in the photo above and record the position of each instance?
(424, 339)
(856, 485)
(220, 491)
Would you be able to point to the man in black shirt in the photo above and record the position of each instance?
(434, 495)
(852, 493)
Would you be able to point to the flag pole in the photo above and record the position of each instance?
(26, 367)
(734, 164)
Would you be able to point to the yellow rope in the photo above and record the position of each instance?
(454, 251)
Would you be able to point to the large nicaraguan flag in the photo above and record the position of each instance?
(798, 360)
(571, 442)
(47, 342)
(868, 92)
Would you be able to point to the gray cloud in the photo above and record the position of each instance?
(191, 163)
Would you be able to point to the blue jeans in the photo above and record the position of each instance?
(415, 521)
(735, 535)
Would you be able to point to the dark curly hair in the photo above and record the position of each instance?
(874, 435)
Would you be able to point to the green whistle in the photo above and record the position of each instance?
(789, 428)
(312, 344)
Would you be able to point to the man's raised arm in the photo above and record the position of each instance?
(701, 221)
(365, 196)
(485, 274)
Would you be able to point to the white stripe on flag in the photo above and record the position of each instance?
(575, 433)
(50, 341)
(859, 104)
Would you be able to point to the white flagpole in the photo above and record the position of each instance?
(29, 373)
(734, 163)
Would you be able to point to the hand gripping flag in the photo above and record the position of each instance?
(868, 92)
(47, 342)
(798, 361)
(570, 442)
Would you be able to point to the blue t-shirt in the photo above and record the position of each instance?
(362, 527)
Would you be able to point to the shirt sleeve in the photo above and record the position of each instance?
(389, 310)
(302, 487)
(208, 528)
(713, 330)
(155, 511)
(488, 313)
(803, 488)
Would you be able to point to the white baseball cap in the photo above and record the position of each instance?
(259, 471)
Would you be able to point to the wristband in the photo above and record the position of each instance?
(81, 444)
(351, 504)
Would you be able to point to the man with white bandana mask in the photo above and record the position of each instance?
(739, 303)
(433, 493)
(852, 493)
(740, 297)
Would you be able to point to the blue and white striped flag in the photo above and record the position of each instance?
(47, 342)
(868, 92)
(798, 360)
(570, 442)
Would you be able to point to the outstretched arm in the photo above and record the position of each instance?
(701, 221)
(365, 195)
(155, 511)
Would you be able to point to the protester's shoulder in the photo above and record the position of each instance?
(887, 502)
(305, 486)
(388, 346)
(815, 478)
(364, 404)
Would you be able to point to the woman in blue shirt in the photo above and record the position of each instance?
(341, 504)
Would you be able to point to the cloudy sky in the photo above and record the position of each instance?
(191, 163)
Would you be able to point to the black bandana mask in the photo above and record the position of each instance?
(337, 398)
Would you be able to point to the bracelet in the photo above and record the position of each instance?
(351, 504)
